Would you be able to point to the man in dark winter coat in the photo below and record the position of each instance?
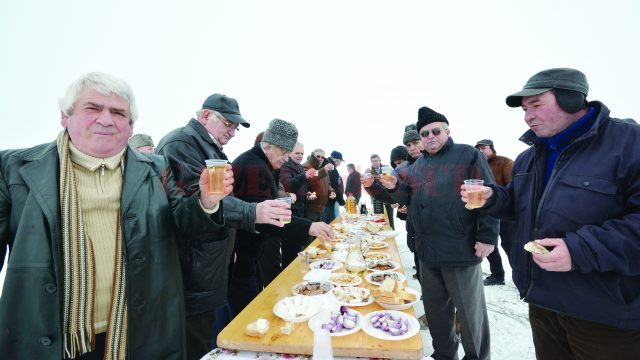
(255, 182)
(93, 229)
(205, 266)
(450, 240)
(501, 167)
(293, 178)
(575, 192)
(353, 185)
(336, 184)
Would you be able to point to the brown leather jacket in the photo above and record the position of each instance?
(319, 184)
(501, 168)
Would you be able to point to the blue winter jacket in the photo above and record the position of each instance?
(592, 200)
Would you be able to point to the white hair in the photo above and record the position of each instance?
(103, 83)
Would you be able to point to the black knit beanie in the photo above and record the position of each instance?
(399, 152)
(428, 116)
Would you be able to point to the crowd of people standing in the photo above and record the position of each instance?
(120, 250)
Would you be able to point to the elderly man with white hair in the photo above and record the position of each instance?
(93, 270)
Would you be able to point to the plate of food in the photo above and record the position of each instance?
(395, 295)
(319, 251)
(377, 277)
(388, 233)
(351, 295)
(345, 279)
(390, 325)
(311, 288)
(297, 308)
(382, 265)
(326, 265)
(339, 322)
(378, 245)
(376, 256)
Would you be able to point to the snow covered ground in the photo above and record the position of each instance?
(508, 316)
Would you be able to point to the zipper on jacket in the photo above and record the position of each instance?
(102, 166)
(538, 203)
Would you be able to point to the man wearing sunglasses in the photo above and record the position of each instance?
(450, 240)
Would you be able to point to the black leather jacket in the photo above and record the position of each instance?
(204, 261)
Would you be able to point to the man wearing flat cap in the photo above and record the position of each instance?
(450, 240)
(576, 192)
(256, 183)
(205, 267)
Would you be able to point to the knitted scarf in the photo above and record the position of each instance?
(79, 277)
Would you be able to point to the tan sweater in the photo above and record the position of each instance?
(99, 186)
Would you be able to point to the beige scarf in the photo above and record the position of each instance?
(79, 277)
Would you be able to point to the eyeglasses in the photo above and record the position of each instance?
(229, 125)
(434, 131)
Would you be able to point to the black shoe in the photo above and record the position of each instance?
(493, 280)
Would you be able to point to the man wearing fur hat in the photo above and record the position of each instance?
(501, 167)
(254, 176)
(450, 240)
(575, 191)
(205, 267)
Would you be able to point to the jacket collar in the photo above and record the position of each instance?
(203, 133)
(257, 150)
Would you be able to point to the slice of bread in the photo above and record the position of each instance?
(534, 247)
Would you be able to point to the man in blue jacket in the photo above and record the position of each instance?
(576, 192)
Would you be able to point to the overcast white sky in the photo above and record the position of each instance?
(349, 74)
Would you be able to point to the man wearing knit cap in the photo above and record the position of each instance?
(451, 241)
(254, 176)
(93, 228)
(205, 269)
(142, 143)
(336, 183)
(501, 167)
(575, 193)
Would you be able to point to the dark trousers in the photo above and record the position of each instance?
(506, 239)
(270, 262)
(562, 337)
(200, 327)
(389, 209)
(98, 350)
(329, 212)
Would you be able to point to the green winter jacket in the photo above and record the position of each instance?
(152, 211)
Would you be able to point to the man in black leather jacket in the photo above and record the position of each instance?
(205, 271)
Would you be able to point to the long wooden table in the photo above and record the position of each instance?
(300, 341)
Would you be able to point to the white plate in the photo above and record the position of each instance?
(383, 245)
(355, 279)
(372, 255)
(401, 306)
(413, 327)
(316, 321)
(297, 308)
(394, 265)
(388, 233)
(321, 286)
(369, 276)
(326, 265)
(333, 297)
